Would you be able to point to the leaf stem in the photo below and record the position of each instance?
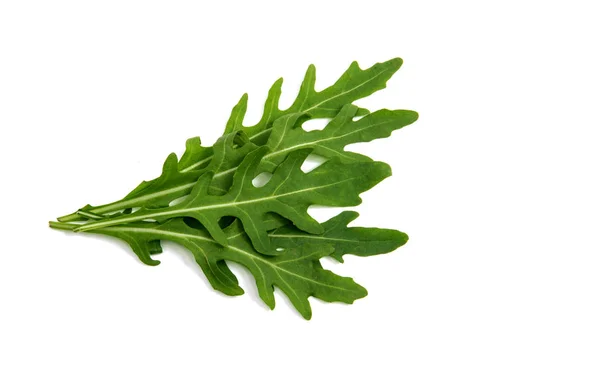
(90, 215)
(70, 217)
(62, 225)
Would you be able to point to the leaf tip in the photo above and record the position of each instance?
(395, 63)
(310, 78)
(337, 257)
(192, 142)
(362, 292)
(147, 260)
(346, 217)
(411, 116)
(400, 239)
(381, 170)
(171, 163)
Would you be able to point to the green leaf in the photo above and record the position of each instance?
(363, 242)
(286, 137)
(177, 179)
(296, 271)
(289, 193)
(354, 84)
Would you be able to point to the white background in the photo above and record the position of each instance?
(496, 184)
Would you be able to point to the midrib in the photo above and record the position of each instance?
(310, 237)
(193, 166)
(116, 221)
(322, 140)
(135, 201)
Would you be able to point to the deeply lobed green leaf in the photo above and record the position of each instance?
(354, 84)
(296, 271)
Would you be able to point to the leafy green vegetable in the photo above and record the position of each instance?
(352, 85)
(289, 193)
(221, 216)
(297, 271)
(286, 137)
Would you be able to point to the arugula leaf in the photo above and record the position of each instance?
(289, 193)
(353, 84)
(297, 271)
(286, 137)
(176, 179)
